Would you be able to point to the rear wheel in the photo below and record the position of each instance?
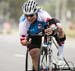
(68, 66)
(26, 64)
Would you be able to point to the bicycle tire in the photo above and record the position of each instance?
(43, 60)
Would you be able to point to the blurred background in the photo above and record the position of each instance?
(64, 10)
(12, 53)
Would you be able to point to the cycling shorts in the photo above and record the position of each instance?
(35, 42)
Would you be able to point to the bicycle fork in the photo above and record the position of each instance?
(50, 60)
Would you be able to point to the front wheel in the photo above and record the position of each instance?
(43, 63)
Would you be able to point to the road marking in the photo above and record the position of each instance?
(19, 55)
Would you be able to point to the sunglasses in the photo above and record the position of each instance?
(31, 15)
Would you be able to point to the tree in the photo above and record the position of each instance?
(15, 8)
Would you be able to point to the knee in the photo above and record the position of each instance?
(34, 53)
(59, 40)
(61, 33)
(62, 40)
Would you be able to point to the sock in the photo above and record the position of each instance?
(61, 51)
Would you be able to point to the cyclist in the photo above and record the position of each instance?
(32, 17)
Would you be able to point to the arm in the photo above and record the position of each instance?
(51, 26)
(23, 40)
(23, 31)
(56, 22)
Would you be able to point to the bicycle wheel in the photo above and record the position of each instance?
(69, 66)
(28, 62)
(43, 63)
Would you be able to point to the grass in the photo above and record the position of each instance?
(70, 33)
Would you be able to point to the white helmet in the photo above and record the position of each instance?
(30, 7)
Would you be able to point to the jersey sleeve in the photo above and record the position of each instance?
(22, 28)
(45, 15)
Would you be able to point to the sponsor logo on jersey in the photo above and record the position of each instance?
(39, 26)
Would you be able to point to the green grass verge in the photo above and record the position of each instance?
(70, 33)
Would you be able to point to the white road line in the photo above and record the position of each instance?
(19, 55)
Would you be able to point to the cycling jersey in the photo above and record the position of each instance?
(36, 27)
(25, 25)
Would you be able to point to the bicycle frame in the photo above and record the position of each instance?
(49, 53)
(47, 48)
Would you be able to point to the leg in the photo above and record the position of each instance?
(34, 49)
(60, 38)
(35, 52)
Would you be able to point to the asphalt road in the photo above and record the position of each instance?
(12, 53)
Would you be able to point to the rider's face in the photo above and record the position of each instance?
(31, 18)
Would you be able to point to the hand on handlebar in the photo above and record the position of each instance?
(28, 41)
(25, 42)
(48, 31)
(51, 29)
